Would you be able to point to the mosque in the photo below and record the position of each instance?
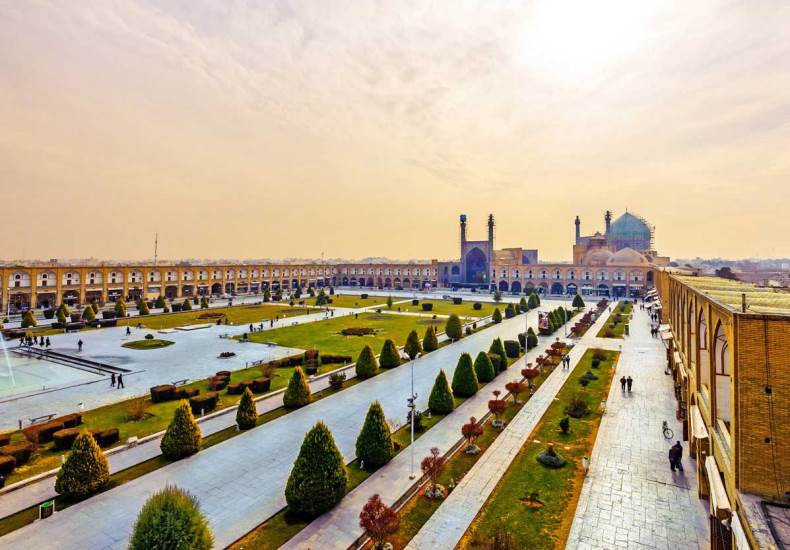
(615, 263)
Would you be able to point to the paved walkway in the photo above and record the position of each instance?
(241, 481)
(630, 498)
(447, 525)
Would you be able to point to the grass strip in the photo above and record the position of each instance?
(617, 323)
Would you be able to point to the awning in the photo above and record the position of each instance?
(679, 366)
(719, 503)
(666, 336)
(652, 291)
(663, 328)
(739, 535)
(698, 429)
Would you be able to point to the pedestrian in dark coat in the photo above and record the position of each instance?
(622, 383)
(48, 343)
(79, 345)
(629, 381)
(112, 380)
(120, 381)
(676, 456)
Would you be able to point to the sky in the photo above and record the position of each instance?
(290, 129)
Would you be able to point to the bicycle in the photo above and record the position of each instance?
(668, 433)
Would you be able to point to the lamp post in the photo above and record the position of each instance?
(412, 408)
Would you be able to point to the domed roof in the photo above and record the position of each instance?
(627, 257)
(597, 257)
(630, 231)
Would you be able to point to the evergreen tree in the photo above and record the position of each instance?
(95, 306)
(142, 308)
(85, 471)
(246, 414)
(454, 329)
(532, 338)
(319, 478)
(429, 341)
(62, 318)
(496, 316)
(499, 348)
(62, 308)
(367, 365)
(183, 435)
(578, 302)
(533, 301)
(441, 399)
(267, 295)
(465, 382)
(120, 307)
(389, 357)
(322, 299)
(374, 443)
(171, 518)
(412, 347)
(497, 296)
(160, 302)
(187, 305)
(297, 394)
(522, 305)
(29, 320)
(389, 301)
(88, 314)
(204, 303)
(484, 368)
(510, 311)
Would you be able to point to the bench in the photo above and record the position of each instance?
(42, 418)
(180, 382)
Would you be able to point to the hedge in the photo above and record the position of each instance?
(427, 306)
(441, 398)
(465, 383)
(333, 359)
(186, 393)
(235, 389)
(171, 518)
(64, 439)
(512, 349)
(201, 404)
(105, 438)
(70, 420)
(42, 433)
(7, 464)
(20, 451)
(262, 384)
(85, 471)
(162, 393)
(5, 439)
(457, 300)
(415, 302)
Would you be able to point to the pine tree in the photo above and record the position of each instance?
(412, 347)
(578, 302)
(484, 368)
(522, 305)
(441, 399)
(187, 305)
(497, 296)
(454, 329)
(171, 518)
(389, 302)
(62, 308)
(246, 414)
(88, 314)
(142, 308)
(62, 318)
(367, 365)
(267, 295)
(510, 311)
(389, 357)
(319, 478)
(120, 307)
(29, 320)
(499, 348)
(297, 394)
(429, 341)
(95, 306)
(85, 471)
(374, 443)
(183, 435)
(204, 303)
(532, 338)
(533, 301)
(465, 382)
(160, 302)
(496, 316)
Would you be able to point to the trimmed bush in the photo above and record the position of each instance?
(484, 368)
(142, 308)
(477, 306)
(512, 349)
(533, 301)
(336, 380)
(187, 305)
(42, 433)
(183, 435)
(550, 458)
(374, 443)
(235, 389)
(64, 438)
(367, 365)
(88, 314)
(319, 478)
(120, 307)
(427, 306)
(496, 316)
(217, 383)
(20, 451)
(105, 438)
(246, 414)
(415, 302)
(522, 340)
(49, 314)
(29, 320)
(171, 518)
(465, 382)
(532, 338)
(5, 439)
(412, 346)
(577, 407)
(441, 399)
(262, 384)
(565, 423)
(430, 342)
(201, 404)
(510, 311)
(298, 392)
(522, 305)
(497, 361)
(85, 471)
(457, 301)
(163, 392)
(186, 393)
(7, 464)
(327, 359)
(498, 348)
(389, 357)
(453, 328)
(578, 302)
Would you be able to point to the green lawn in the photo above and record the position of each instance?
(546, 526)
(445, 307)
(235, 315)
(150, 343)
(614, 328)
(326, 337)
(353, 301)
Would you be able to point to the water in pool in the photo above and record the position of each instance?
(20, 375)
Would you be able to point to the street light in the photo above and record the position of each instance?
(412, 407)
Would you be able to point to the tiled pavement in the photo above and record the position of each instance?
(630, 498)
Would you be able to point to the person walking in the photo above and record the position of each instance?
(48, 342)
(252, 328)
(112, 380)
(120, 381)
(622, 383)
(676, 456)
(79, 345)
(128, 331)
(629, 381)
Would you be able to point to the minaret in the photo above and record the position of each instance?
(608, 219)
(463, 231)
(578, 223)
(491, 232)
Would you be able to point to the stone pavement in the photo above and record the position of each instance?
(630, 498)
(447, 525)
(241, 481)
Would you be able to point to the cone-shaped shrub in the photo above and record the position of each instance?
(510, 311)
(204, 303)
(171, 518)
(142, 308)
(429, 341)
(319, 478)
(389, 357)
(533, 301)
(441, 399)
(578, 301)
(484, 368)
(374, 443)
(412, 347)
(246, 414)
(28, 320)
(522, 305)
(85, 471)
(532, 338)
(464, 378)
(498, 347)
(366, 363)
(94, 306)
(62, 317)
(267, 295)
(187, 305)
(297, 394)
(62, 308)
(454, 329)
(120, 307)
(183, 435)
(496, 316)
(160, 302)
(88, 314)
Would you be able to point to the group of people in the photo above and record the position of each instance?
(31, 341)
(654, 331)
(626, 383)
(116, 382)
(566, 362)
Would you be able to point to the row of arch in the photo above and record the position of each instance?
(571, 289)
(635, 275)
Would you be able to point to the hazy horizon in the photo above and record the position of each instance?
(364, 129)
